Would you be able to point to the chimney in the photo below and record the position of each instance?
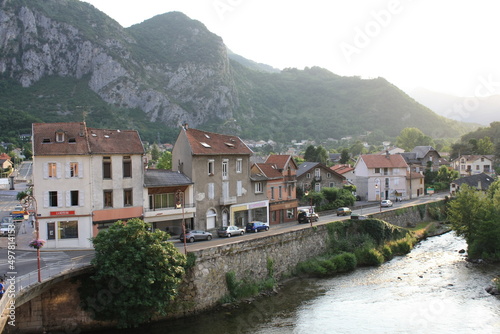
(387, 154)
(185, 125)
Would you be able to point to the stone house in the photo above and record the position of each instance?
(473, 164)
(480, 182)
(423, 157)
(316, 176)
(84, 179)
(278, 173)
(219, 167)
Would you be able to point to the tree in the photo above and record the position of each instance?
(446, 174)
(344, 156)
(310, 154)
(155, 152)
(485, 146)
(165, 161)
(411, 137)
(321, 154)
(136, 276)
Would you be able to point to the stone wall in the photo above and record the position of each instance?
(205, 283)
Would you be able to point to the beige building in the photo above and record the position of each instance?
(219, 166)
(83, 180)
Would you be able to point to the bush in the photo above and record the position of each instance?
(369, 256)
(387, 253)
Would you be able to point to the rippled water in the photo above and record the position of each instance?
(431, 290)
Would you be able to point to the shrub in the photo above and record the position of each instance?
(369, 256)
(387, 253)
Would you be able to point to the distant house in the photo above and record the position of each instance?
(219, 166)
(381, 177)
(316, 176)
(480, 181)
(278, 173)
(5, 161)
(334, 158)
(423, 157)
(346, 171)
(473, 164)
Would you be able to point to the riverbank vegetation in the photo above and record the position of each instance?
(475, 215)
(355, 243)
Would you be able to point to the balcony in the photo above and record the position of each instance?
(290, 178)
(188, 208)
(317, 178)
(227, 200)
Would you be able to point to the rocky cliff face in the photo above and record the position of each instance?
(33, 46)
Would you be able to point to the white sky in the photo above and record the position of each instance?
(450, 46)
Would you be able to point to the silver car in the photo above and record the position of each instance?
(196, 235)
(228, 231)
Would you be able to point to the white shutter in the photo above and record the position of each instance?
(59, 199)
(211, 190)
(68, 198)
(59, 170)
(68, 170)
(45, 199)
(239, 188)
(80, 170)
(45, 170)
(81, 200)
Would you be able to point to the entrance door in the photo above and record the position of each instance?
(225, 218)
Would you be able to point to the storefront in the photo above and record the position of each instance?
(242, 214)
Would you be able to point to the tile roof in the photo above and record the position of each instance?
(479, 181)
(78, 139)
(414, 175)
(209, 143)
(280, 160)
(342, 169)
(270, 171)
(164, 178)
(384, 161)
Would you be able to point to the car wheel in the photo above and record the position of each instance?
(229, 235)
(267, 228)
(256, 230)
(191, 239)
(209, 237)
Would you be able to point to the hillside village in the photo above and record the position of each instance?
(85, 179)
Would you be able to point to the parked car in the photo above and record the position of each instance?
(306, 213)
(386, 203)
(344, 211)
(359, 217)
(6, 227)
(228, 231)
(256, 227)
(196, 235)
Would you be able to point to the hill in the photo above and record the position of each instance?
(65, 60)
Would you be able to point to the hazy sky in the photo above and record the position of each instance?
(449, 46)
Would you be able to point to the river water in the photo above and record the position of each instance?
(431, 290)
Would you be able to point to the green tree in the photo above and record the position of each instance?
(155, 152)
(357, 148)
(321, 154)
(485, 146)
(446, 174)
(411, 137)
(344, 156)
(137, 273)
(310, 154)
(165, 161)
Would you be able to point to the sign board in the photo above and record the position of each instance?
(430, 191)
(61, 213)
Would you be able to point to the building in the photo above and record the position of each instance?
(473, 164)
(169, 200)
(84, 179)
(346, 171)
(480, 182)
(422, 158)
(316, 176)
(380, 177)
(219, 166)
(278, 174)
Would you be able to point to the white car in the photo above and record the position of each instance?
(228, 231)
(386, 203)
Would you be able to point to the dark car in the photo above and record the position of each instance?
(196, 235)
(228, 231)
(304, 215)
(256, 227)
(344, 211)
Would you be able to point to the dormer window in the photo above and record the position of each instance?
(59, 136)
(46, 140)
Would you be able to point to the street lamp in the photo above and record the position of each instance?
(311, 209)
(180, 204)
(376, 197)
(27, 202)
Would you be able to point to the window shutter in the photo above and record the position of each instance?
(45, 199)
(59, 170)
(45, 170)
(81, 199)
(68, 170)
(68, 198)
(80, 170)
(211, 190)
(59, 199)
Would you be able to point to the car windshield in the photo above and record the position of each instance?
(224, 228)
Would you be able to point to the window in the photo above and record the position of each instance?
(317, 172)
(258, 187)
(308, 175)
(52, 166)
(272, 192)
(317, 187)
(108, 198)
(290, 213)
(386, 171)
(211, 165)
(377, 170)
(224, 169)
(127, 197)
(51, 231)
(211, 191)
(74, 196)
(279, 192)
(106, 167)
(53, 199)
(328, 175)
(67, 230)
(60, 137)
(239, 165)
(127, 167)
(239, 188)
(331, 184)
(289, 190)
(387, 182)
(73, 169)
(478, 167)
(159, 201)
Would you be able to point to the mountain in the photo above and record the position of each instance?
(64, 60)
(479, 110)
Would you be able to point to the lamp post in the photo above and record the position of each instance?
(376, 197)
(27, 202)
(180, 204)
(311, 209)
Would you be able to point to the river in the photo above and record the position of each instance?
(431, 290)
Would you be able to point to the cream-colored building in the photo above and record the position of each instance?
(83, 180)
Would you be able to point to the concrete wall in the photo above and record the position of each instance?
(56, 307)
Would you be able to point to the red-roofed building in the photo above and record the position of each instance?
(83, 180)
(346, 171)
(219, 166)
(278, 174)
(381, 177)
